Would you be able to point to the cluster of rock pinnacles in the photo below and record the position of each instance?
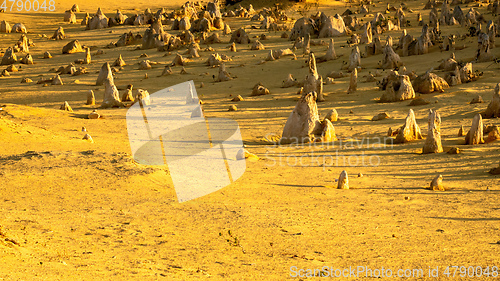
(304, 123)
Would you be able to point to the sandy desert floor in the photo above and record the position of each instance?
(75, 210)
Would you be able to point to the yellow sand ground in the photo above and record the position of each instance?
(74, 210)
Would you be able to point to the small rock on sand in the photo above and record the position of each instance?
(437, 183)
(94, 115)
(88, 138)
(380, 116)
(238, 98)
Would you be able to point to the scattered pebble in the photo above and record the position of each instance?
(88, 138)
(94, 115)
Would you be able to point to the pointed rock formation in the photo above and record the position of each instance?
(449, 64)
(423, 42)
(66, 107)
(28, 59)
(493, 109)
(354, 40)
(391, 59)
(332, 115)
(327, 132)
(380, 116)
(59, 34)
(449, 43)
(301, 27)
(277, 54)
(366, 36)
(227, 29)
(86, 19)
(453, 78)
(398, 88)
(483, 49)
(72, 47)
(306, 48)
(353, 85)
(410, 131)
(331, 26)
(69, 16)
(57, 80)
(314, 82)
(477, 99)
(461, 131)
(475, 134)
(375, 47)
(433, 141)
(223, 74)
(466, 73)
(87, 59)
(119, 61)
(90, 98)
(5, 27)
(212, 39)
(87, 137)
(184, 24)
(238, 98)
(216, 59)
(179, 60)
(12, 68)
(94, 115)
(354, 59)
(19, 28)
(128, 95)
(240, 37)
(330, 53)
(98, 21)
(289, 82)
(303, 123)
(193, 51)
(166, 71)
(493, 134)
(111, 94)
(257, 45)
(104, 74)
(437, 183)
(22, 44)
(9, 57)
(145, 65)
(259, 90)
(428, 83)
(343, 182)
(232, 48)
